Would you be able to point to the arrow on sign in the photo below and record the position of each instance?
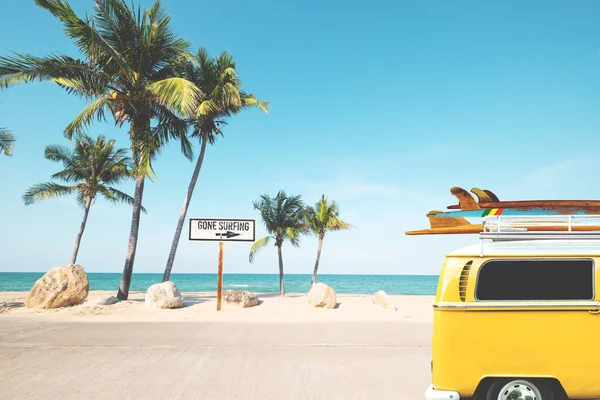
(228, 234)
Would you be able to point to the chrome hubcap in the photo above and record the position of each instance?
(520, 390)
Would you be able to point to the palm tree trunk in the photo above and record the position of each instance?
(281, 284)
(186, 204)
(139, 133)
(88, 203)
(314, 277)
(133, 236)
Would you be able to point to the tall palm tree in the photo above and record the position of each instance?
(320, 219)
(7, 141)
(91, 169)
(130, 67)
(223, 97)
(282, 217)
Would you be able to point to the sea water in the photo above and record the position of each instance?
(258, 283)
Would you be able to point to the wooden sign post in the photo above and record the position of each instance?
(222, 230)
(220, 278)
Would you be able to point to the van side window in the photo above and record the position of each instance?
(550, 279)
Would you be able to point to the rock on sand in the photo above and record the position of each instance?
(164, 295)
(108, 300)
(62, 286)
(381, 299)
(322, 295)
(240, 298)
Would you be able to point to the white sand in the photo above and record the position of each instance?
(202, 307)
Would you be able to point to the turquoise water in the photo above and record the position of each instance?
(259, 283)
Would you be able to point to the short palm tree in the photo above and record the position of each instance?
(130, 66)
(7, 141)
(282, 217)
(91, 169)
(222, 98)
(320, 219)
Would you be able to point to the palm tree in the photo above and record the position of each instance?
(7, 141)
(91, 168)
(223, 97)
(130, 67)
(320, 219)
(282, 217)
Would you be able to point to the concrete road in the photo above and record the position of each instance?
(45, 359)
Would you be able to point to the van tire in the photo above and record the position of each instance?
(544, 388)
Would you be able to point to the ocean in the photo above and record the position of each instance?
(258, 283)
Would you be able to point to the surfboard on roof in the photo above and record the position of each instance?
(488, 204)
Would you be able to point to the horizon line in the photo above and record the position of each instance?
(224, 273)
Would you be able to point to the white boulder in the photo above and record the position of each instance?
(164, 295)
(240, 298)
(322, 295)
(381, 298)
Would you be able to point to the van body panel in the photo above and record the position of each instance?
(474, 339)
(448, 283)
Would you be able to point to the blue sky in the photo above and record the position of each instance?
(382, 106)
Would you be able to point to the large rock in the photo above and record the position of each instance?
(62, 286)
(240, 298)
(164, 295)
(322, 295)
(381, 299)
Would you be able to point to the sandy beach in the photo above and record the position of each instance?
(281, 349)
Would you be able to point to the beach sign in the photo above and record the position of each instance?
(222, 230)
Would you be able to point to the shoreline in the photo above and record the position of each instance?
(255, 283)
(265, 294)
(201, 306)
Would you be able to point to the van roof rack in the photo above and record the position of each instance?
(539, 227)
(535, 224)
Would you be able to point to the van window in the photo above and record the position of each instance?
(536, 280)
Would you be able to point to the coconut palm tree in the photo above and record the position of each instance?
(130, 67)
(7, 141)
(223, 97)
(91, 169)
(320, 219)
(282, 217)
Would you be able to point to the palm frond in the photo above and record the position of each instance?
(177, 94)
(92, 112)
(116, 196)
(68, 175)
(293, 234)
(248, 100)
(7, 141)
(75, 76)
(60, 153)
(47, 190)
(171, 127)
(259, 244)
(86, 37)
(206, 108)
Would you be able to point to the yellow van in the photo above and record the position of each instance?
(517, 317)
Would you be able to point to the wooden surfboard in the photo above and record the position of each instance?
(487, 199)
(478, 228)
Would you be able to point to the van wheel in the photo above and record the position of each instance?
(519, 389)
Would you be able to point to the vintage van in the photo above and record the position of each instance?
(517, 317)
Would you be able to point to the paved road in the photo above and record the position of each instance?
(43, 359)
